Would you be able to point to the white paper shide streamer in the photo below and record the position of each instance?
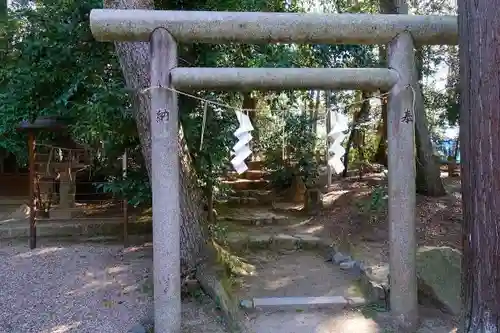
(336, 136)
(241, 149)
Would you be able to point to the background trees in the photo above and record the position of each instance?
(55, 67)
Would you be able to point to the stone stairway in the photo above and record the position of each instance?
(289, 267)
(248, 189)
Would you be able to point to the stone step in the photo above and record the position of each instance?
(245, 184)
(248, 198)
(112, 227)
(283, 303)
(235, 201)
(250, 175)
(255, 165)
(241, 241)
(253, 217)
(288, 207)
(263, 196)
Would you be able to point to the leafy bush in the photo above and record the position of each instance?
(297, 139)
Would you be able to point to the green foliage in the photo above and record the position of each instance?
(135, 187)
(54, 67)
(375, 205)
(296, 137)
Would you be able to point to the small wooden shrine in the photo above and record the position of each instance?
(52, 167)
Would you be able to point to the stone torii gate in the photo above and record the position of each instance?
(165, 28)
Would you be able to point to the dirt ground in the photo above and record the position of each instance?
(114, 283)
(348, 220)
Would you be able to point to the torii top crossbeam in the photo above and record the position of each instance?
(259, 27)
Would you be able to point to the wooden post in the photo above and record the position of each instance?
(401, 160)
(32, 202)
(66, 193)
(165, 184)
(125, 202)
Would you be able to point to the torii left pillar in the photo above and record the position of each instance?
(165, 184)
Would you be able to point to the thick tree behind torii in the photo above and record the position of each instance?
(479, 42)
(135, 63)
(428, 178)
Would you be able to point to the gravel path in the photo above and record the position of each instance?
(67, 288)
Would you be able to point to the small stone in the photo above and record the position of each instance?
(357, 268)
(374, 283)
(347, 264)
(339, 258)
(246, 304)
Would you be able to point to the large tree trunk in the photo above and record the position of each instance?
(385, 7)
(428, 170)
(359, 117)
(428, 178)
(135, 62)
(380, 156)
(480, 151)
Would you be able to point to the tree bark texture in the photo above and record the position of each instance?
(385, 7)
(359, 117)
(479, 35)
(428, 179)
(381, 153)
(135, 63)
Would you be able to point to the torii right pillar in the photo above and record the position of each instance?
(402, 170)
